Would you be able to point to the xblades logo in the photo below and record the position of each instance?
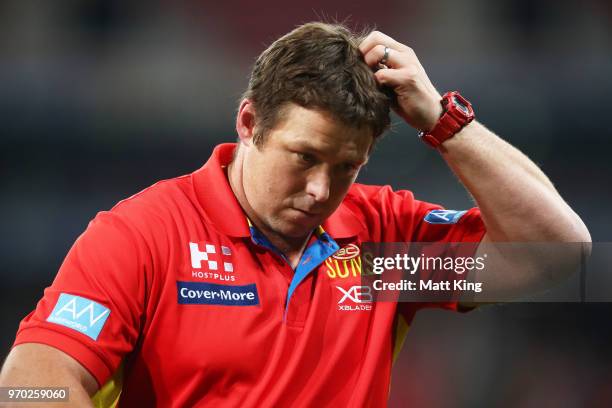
(361, 295)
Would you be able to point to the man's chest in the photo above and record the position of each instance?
(226, 307)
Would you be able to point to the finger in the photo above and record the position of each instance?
(376, 54)
(396, 77)
(375, 38)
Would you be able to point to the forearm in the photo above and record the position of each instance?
(517, 201)
(38, 365)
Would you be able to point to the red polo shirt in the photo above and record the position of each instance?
(173, 299)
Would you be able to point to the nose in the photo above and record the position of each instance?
(318, 186)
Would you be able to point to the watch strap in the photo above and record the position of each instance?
(448, 125)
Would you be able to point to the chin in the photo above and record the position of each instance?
(292, 228)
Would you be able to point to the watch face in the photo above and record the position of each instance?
(461, 106)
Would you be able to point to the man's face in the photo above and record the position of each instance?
(303, 170)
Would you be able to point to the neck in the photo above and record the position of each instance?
(291, 247)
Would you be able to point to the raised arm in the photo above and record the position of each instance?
(517, 201)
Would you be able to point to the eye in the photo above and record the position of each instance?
(350, 168)
(306, 158)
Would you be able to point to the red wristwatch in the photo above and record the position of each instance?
(457, 113)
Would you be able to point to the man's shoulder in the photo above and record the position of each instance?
(157, 207)
(369, 194)
(159, 197)
(372, 203)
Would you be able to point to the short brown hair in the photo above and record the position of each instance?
(317, 66)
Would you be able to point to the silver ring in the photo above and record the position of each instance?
(385, 57)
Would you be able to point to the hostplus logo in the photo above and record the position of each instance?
(211, 262)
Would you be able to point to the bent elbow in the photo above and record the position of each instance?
(582, 235)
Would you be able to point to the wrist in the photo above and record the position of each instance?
(437, 112)
(456, 113)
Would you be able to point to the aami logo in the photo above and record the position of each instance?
(80, 314)
(214, 263)
(443, 216)
(361, 295)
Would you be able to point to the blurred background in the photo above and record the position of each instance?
(101, 98)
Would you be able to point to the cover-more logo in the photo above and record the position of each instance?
(211, 262)
(201, 293)
(360, 296)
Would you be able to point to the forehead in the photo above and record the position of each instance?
(319, 132)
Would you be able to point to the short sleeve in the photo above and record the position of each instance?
(406, 219)
(434, 223)
(92, 310)
(396, 216)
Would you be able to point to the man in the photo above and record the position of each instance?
(222, 288)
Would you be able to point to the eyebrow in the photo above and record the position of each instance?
(310, 148)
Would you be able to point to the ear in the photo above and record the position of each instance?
(245, 121)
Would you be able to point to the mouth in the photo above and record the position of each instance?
(308, 214)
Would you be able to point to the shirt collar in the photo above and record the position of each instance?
(343, 223)
(215, 196)
(221, 208)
